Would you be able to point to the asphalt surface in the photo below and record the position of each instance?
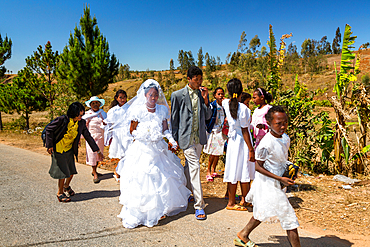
(31, 215)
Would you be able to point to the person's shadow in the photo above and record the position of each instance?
(214, 204)
(324, 241)
(84, 196)
(106, 176)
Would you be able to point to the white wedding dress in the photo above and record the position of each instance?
(152, 182)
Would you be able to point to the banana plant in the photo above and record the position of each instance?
(347, 77)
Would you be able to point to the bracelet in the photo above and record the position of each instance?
(99, 152)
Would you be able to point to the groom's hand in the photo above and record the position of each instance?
(204, 92)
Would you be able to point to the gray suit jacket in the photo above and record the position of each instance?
(182, 117)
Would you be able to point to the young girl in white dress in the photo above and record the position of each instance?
(240, 153)
(116, 111)
(266, 195)
(152, 183)
(216, 140)
(117, 141)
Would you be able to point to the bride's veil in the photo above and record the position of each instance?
(133, 105)
(139, 100)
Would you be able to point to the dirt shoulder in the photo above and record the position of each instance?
(321, 204)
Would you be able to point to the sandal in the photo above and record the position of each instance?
(237, 208)
(69, 191)
(63, 198)
(246, 204)
(200, 212)
(209, 178)
(215, 175)
(191, 199)
(239, 242)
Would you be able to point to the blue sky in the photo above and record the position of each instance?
(147, 34)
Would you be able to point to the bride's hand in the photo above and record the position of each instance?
(173, 149)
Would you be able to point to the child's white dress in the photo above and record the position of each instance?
(152, 181)
(118, 141)
(216, 140)
(266, 195)
(237, 166)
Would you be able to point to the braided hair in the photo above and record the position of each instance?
(235, 88)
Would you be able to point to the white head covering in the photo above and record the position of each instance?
(134, 105)
(95, 98)
(140, 98)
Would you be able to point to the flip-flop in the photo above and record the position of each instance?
(200, 212)
(239, 242)
(246, 204)
(191, 199)
(209, 178)
(215, 174)
(237, 208)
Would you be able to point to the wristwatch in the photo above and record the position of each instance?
(99, 152)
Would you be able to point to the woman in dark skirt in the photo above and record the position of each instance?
(62, 139)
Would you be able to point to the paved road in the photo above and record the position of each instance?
(30, 214)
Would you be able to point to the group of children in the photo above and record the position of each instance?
(268, 156)
(231, 123)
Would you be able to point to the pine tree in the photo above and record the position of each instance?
(200, 58)
(24, 96)
(44, 63)
(6, 102)
(336, 42)
(86, 64)
(5, 54)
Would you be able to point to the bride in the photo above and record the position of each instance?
(152, 184)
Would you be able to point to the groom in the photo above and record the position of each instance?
(189, 111)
